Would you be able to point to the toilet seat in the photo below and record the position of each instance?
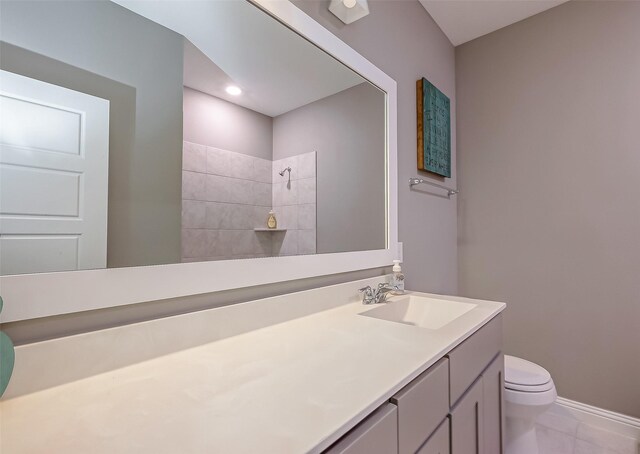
(524, 376)
(529, 389)
(524, 402)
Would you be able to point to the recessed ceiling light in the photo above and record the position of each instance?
(233, 90)
(349, 3)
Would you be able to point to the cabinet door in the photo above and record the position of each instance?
(438, 443)
(469, 359)
(422, 405)
(377, 434)
(467, 430)
(493, 386)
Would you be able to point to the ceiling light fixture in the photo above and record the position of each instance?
(233, 90)
(349, 11)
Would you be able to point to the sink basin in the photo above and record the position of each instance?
(430, 313)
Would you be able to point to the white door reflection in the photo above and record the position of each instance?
(54, 152)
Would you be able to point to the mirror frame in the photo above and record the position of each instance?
(30, 296)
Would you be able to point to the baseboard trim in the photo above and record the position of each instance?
(598, 417)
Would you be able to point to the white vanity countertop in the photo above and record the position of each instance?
(292, 387)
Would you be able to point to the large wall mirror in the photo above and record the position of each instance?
(139, 133)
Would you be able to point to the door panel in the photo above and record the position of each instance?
(34, 125)
(38, 254)
(54, 153)
(39, 192)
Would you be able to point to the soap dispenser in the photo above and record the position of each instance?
(397, 281)
(272, 222)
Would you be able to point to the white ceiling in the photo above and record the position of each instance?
(276, 69)
(464, 20)
(201, 74)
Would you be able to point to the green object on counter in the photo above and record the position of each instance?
(7, 358)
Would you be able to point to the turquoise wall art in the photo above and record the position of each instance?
(434, 129)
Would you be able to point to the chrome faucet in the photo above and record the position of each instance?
(378, 295)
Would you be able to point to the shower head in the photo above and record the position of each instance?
(288, 169)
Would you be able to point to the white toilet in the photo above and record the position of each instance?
(529, 391)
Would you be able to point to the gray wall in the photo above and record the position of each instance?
(105, 50)
(218, 123)
(403, 41)
(549, 166)
(347, 132)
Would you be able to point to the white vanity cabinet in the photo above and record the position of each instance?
(454, 407)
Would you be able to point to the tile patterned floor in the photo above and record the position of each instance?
(564, 435)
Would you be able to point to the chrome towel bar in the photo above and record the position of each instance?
(415, 180)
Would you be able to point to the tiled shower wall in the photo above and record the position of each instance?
(294, 202)
(225, 195)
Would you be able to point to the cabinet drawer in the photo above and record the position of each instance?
(438, 443)
(422, 405)
(377, 434)
(468, 360)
